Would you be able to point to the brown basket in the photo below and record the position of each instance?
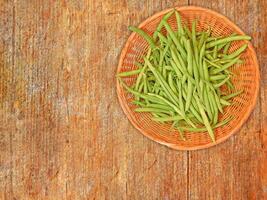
(247, 78)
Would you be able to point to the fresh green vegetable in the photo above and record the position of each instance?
(180, 78)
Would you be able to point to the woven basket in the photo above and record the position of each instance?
(247, 78)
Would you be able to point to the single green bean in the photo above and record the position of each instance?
(142, 33)
(190, 90)
(205, 70)
(230, 96)
(156, 110)
(129, 73)
(228, 39)
(160, 106)
(226, 66)
(227, 46)
(217, 77)
(217, 85)
(181, 103)
(167, 118)
(224, 102)
(189, 58)
(205, 119)
(171, 83)
(159, 27)
(187, 32)
(194, 41)
(179, 23)
(207, 103)
(237, 52)
(176, 69)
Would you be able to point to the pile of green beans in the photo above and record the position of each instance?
(181, 78)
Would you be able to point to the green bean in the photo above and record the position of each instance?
(181, 103)
(164, 73)
(196, 114)
(170, 81)
(159, 27)
(139, 103)
(179, 23)
(224, 102)
(163, 83)
(189, 95)
(215, 117)
(189, 58)
(224, 61)
(215, 52)
(230, 96)
(129, 73)
(213, 38)
(217, 77)
(181, 133)
(205, 70)
(141, 87)
(212, 63)
(224, 67)
(138, 80)
(138, 64)
(163, 55)
(167, 102)
(177, 61)
(228, 39)
(207, 103)
(143, 34)
(160, 106)
(194, 41)
(156, 110)
(179, 79)
(149, 86)
(201, 54)
(209, 56)
(174, 39)
(188, 33)
(217, 100)
(214, 107)
(163, 38)
(230, 85)
(237, 52)
(174, 107)
(205, 119)
(201, 40)
(176, 69)
(184, 79)
(227, 46)
(202, 129)
(143, 96)
(201, 86)
(167, 119)
(195, 72)
(217, 85)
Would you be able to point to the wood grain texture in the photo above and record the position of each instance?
(63, 134)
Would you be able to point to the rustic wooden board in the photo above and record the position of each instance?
(63, 134)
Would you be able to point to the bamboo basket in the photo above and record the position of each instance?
(246, 78)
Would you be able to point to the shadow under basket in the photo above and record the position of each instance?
(246, 77)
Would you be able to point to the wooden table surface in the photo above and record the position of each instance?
(63, 134)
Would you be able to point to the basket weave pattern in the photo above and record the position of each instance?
(246, 77)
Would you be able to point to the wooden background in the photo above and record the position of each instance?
(63, 134)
